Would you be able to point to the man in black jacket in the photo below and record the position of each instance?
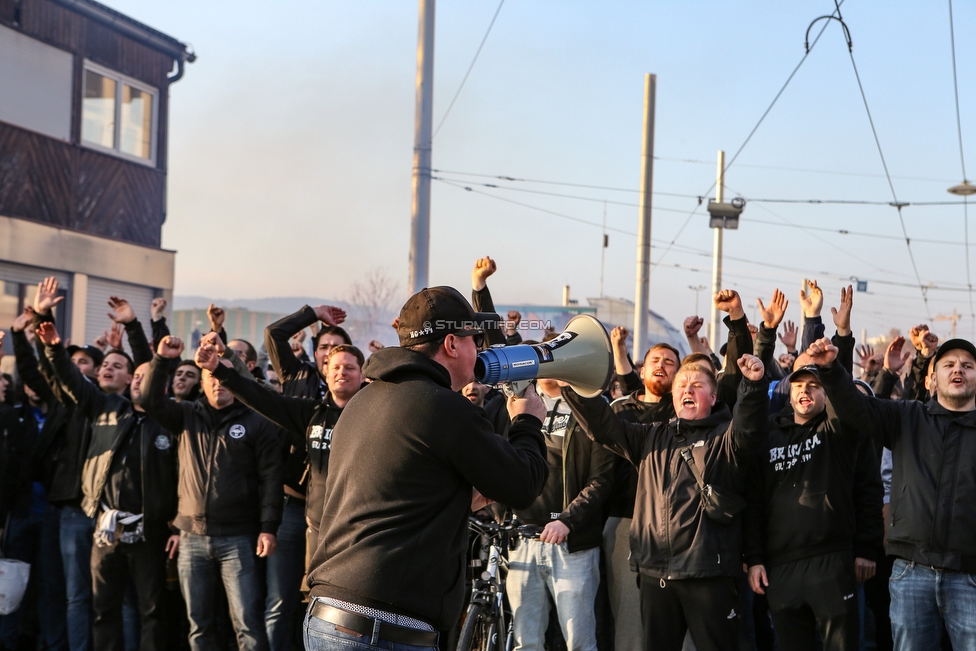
(410, 459)
(308, 423)
(77, 528)
(687, 558)
(803, 537)
(230, 477)
(129, 487)
(933, 492)
(565, 558)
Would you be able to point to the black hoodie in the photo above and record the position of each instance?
(804, 490)
(406, 453)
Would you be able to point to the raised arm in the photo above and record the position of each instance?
(599, 422)
(27, 366)
(165, 411)
(123, 313)
(481, 299)
(290, 413)
(879, 419)
(83, 393)
(277, 338)
(811, 302)
(739, 344)
(765, 344)
(751, 412)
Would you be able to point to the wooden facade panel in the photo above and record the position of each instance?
(46, 180)
(35, 176)
(68, 30)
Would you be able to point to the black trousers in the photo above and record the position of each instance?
(879, 601)
(704, 607)
(112, 566)
(811, 594)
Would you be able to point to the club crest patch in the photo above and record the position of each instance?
(237, 431)
(162, 442)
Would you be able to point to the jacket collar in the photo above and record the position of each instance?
(396, 364)
(935, 408)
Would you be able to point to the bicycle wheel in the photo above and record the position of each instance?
(476, 634)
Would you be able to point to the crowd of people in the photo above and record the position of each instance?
(296, 493)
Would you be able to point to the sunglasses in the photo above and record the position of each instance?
(478, 336)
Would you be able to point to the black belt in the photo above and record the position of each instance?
(364, 626)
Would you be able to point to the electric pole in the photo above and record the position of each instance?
(422, 131)
(644, 224)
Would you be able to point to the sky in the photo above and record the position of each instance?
(291, 142)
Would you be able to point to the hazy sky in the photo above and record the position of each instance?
(292, 135)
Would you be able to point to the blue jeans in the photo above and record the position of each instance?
(923, 598)
(321, 635)
(231, 559)
(285, 569)
(34, 539)
(77, 532)
(571, 578)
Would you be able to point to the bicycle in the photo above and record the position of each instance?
(487, 614)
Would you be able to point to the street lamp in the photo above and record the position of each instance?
(696, 289)
(964, 189)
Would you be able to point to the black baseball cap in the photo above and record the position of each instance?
(434, 312)
(96, 355)
(810, 369)
(955, 344)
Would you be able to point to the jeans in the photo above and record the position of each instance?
(285, 569)
(922, 599)
(231, 559)
(571, 578)
(77, 533)
(34, 539)
(321, 635)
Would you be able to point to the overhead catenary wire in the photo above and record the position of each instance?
(962, 162)
(839, 231)
(884, 164)
(935, 286)
(470, 68)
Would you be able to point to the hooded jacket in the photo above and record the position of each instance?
(112, 420)
(671, 537)
(230, 462)
(933, 482)
(405, 455)
(807, 490)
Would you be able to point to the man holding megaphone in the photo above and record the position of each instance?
(686, 539)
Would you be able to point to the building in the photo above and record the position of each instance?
(610, 311)
(83, 139)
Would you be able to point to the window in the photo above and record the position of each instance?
(118, 114)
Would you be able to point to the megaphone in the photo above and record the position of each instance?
(581, 355)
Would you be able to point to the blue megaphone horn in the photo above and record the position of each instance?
(581, 355)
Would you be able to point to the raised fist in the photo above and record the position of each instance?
(483, 267)
(822, 352)
(170, 347)
(692, 325)
(157, 308)
(752, 367)
(216, 316)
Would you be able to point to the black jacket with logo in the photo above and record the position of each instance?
(933, 479)
(405, 455)
(230, 462)
(310, 420)
(809, 490)
(112, 419)
(671, 537)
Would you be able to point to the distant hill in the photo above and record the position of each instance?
(278, 304)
